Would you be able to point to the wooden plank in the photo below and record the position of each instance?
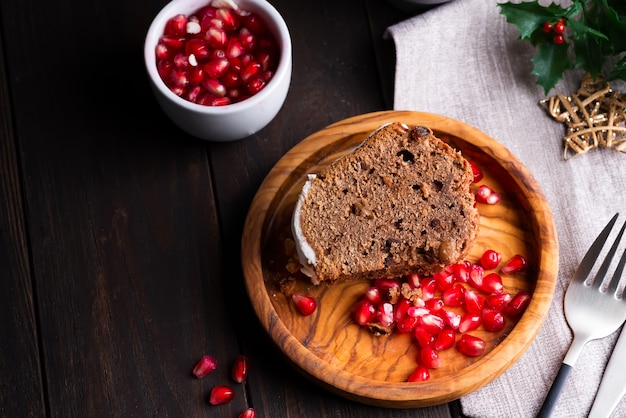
(335, 76)
(21, 386)
(122, 225)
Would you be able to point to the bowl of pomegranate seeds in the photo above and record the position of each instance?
(416, 340)
(220, 69)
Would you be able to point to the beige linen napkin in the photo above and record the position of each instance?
(463, 60)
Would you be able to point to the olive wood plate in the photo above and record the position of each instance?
(332, 350)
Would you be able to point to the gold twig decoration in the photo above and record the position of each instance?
(594, 117)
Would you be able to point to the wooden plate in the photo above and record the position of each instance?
(328, 347)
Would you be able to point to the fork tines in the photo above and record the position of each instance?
(593, 253)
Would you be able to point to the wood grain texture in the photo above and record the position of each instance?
(346, 359)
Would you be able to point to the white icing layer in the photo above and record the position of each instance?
(305, 252)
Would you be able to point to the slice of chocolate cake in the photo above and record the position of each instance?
(399, 203)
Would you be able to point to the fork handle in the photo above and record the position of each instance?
(555, 391)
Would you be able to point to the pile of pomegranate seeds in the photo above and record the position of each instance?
(221, 394)
(217, 55)
(434, 309)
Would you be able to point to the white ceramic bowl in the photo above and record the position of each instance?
(237, 120)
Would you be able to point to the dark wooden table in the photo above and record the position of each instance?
(120, 234)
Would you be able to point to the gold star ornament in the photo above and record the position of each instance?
(594, 117)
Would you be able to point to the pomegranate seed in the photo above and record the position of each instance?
(387, 284)
(407, 325)
(417, 311)
(469, 322)
(248, 413)
(485, 194)
(217, 37)
(493, 320)
(364, 312)
(247, 39)
(476, 276)
(231, 79)
(253, 23)
(490, 259)
(498, 301)
(196, 75)
(401, 308)
(470, 345)
(176, 26)
(216, 67)
(205, 365)
(161, 51)
(193, 94)
(374, 295)
(197, 48)
(230, 19)
(478, 173)
(250, 70)
(384, 314)
(518, 304)
(429, 287)
(515, 264)
(221, 394)
(454, 296)
(413, 280)
(444, 279)
(444, 340)
(256, 85)
(432, 323)
(181, 61)
(423, 337)
(214, 87)
(492, 283)
(453, 319)
(473, 301)
(435, 304)
(179, 77)
(306, 304)
(234, 48)
(461, 272)
(239, 371)
(219, 101)
(429, 358)
(173, 42)
(420, 374)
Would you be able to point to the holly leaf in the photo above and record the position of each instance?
(529, 16)
(550, 61)
(619, 70)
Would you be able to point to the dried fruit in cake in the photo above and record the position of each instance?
(400, 203)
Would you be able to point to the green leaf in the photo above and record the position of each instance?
(530, 16)
(619, 70)
(589, 55)
(550, 62)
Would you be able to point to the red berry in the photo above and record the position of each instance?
(559, 39)
(306, 304)
(547, 27)
(221, 394)
(559, 27)
(470, 345)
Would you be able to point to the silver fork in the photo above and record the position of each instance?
(591, 312)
